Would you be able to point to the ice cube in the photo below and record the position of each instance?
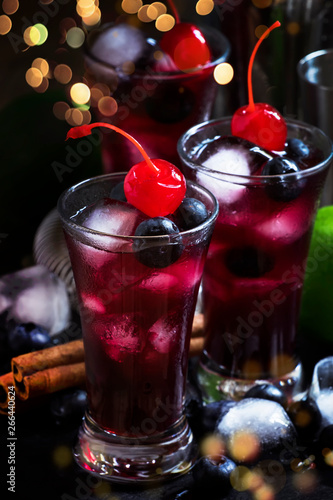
(286, 226)
(266, 421)
(325, 404)
(121, 44)
(164, 333)
(112, 217)
(121, 335)
(321, 389)
(159, 282)
(36, 295)
(229, 155)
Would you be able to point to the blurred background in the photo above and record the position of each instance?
(41, 54)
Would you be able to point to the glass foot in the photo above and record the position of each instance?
(216, 384)
(124, 459)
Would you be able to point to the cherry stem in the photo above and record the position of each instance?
(84, 130)
(251, 106)
(174, 11)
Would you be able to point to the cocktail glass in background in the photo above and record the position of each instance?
(153, 101)
(255, 266)
(137, 300)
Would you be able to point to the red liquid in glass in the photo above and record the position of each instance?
(136, 344)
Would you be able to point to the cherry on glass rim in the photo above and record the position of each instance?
(156, 187)
(260, 123)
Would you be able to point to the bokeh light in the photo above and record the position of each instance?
(131, 6)
(62, 456)
(43, 86)
(165, 22)
(204, 7)
(107, 106)
(10, 6)
(62, 73)
(42, 65)
(293, 28)
(244, 446)
(59, 109)
(212, 446)
(80, 93)
(43, 33)
(223, 73)
(93, 19)
(143, 14)
(260, 30)
(34, 77)
(31, 36)
(262, 4)
(155, 10)
(75, 37)
(240, 478)
(5, 25)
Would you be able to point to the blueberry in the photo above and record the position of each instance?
(118, 193)
(306, 418)
(68, 406)
(324, 445)
(282, 189)
(212, 476)
(26, 337)
(190, 214)
(248, 262)
(170, 103)
(212, 413)
(169, 247)
(267, 391)
(296, 149)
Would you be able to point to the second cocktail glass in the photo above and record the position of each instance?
(137, 298)
(255, 267)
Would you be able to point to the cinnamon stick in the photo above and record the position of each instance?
(6, 381)
(36, 361)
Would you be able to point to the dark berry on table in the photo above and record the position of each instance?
(118, 193)
(324, 445)
(170, 104)
(267, 391)
(306, 417)
(296, 149)
(40, 338)
(26, 337)
(68, 406)
(248, 262)
(164, 250)
(212, 413)
(282, 188)
(212, 476)
(191, 213)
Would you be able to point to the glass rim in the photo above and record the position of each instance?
(224, 42)
(66, 219)
(303, 66)
(258, 178)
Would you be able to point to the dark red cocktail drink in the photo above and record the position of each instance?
(254, 273)
(137, 297)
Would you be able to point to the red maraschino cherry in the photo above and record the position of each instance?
(259, 122)
(156, 187)
(185, 44)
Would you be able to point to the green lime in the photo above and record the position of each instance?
(316, 318)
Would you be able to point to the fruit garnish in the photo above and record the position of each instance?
(156, 187)
(285, 189)
(158, 255)
(190, 213)
(185, 44)
(260, 123)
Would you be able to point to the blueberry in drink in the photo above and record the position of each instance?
(137, 276)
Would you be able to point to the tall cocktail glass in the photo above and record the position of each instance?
(136, 312)
(153, 103)
(254, 273)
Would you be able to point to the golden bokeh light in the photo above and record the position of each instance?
(5, 25)
(156, 9)
(281, 364)
(223, 73)
(293, 28)
(128, 67)
(63, 73)
(103, 88)
(143, 14)
(80, 93)
(94, 19)
(305, 481)
(212, 446)
(240, 478)
(165, 22)
(85, 8)
(260, 30)
(244, 446)
(131, 6)
(42, 65)
(10, 6)
(43, 86)
(262, 4)
(204, 7)
(107, 106)
(33, 77)
(75, 37)
(59, 109)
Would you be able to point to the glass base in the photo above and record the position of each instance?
(216, 384)
(143, 459)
